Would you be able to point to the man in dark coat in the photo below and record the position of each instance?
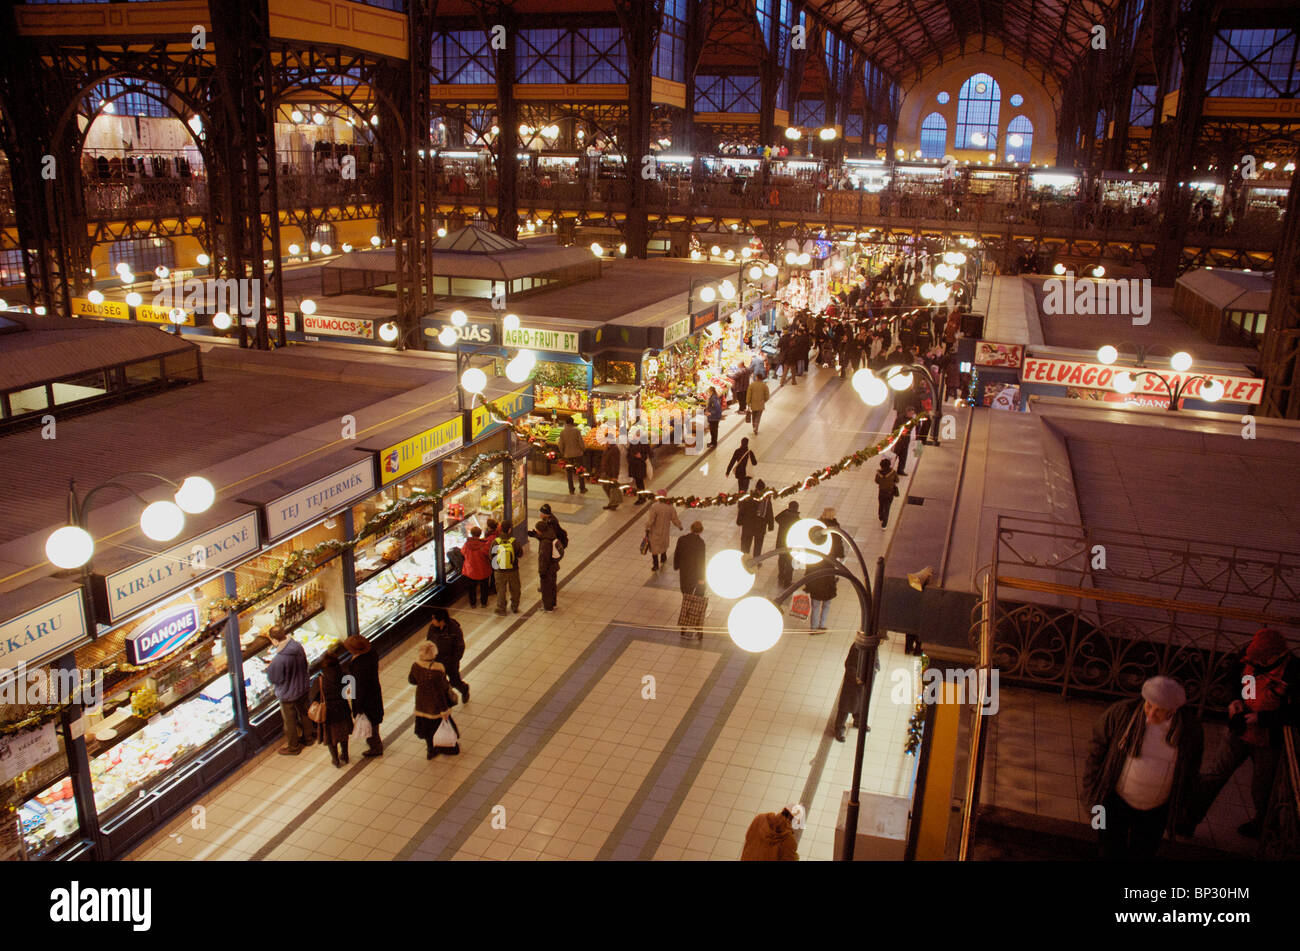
(288, 674)
(904, 444)
(784, 564)
(611, 462)
(1142, 769)
(547, 532)
(689, 561)
(368, 695)
(754, 516)
(638, 454)
(445, 633)
(740, 461)
(850, 700)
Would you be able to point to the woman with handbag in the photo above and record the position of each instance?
(662, 515)
(330, 710)
(822, 589)
(433, 703)
(369, 699)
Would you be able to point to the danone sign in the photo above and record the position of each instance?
(1097, 376)
(161, 635)
(534, 338)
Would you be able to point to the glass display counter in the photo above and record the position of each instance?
(37, 811)
(398, 564)
(481, 499)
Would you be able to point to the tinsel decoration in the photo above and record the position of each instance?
(916, 722)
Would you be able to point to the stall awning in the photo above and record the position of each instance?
(1230, 290)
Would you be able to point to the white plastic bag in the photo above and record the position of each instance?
(361, 729)
(446, 736)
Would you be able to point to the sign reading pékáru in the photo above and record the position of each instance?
(116, 309)
(162, 635)
(132, 588)
(421, 449)
(677, 330)
(1098, 376)
(296, 509)
(534, 338)
(338, 326)
(47, 631)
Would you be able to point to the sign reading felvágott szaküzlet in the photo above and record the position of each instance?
(534, 338)
(299, 508)
(156, 577)
(49, 630)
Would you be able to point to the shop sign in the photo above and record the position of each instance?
(47, 631)
(513, 405)
(421, 449)
(534, 338)
(678, 330)
(162, 635)
(273, 322)
(81, 307)
(704, 318)
(160, 315)
(991, 354)
(468, 333)
(1097, 376)
(132, 588)
(337, 326)
(292, 511)
(21, 751)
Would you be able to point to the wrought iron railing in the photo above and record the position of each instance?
(1281, 828)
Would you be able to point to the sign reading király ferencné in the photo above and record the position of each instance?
(534, 338)
(1098, 376)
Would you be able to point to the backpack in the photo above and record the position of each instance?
(503, 554)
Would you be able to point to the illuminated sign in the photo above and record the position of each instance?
(162, 635)
(160, 315)
(533, 338)
(421, 449)
(677, 330)
(512, 406)
(81, 307)
(1096, 376)
(337, 326)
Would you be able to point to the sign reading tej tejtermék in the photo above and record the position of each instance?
(534, 338)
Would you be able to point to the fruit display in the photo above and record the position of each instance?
(144, 702)
(573, 399)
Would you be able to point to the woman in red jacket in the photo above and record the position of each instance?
(478, 566)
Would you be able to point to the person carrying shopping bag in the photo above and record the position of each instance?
(657, 532)
(433, 703)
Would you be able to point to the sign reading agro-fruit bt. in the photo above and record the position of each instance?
(534, 338)
(161, 635)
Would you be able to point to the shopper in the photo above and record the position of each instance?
(740, 379)
(288, 675)
(740, 461)
(505, 569)
(433, 699)
(713, 413)
(446, 634)
(571, 451)
(1255, 729)
(754, 516)
(548, 562)
(757, 400)
(770, 838)
(611, 464)
(689, 561)
(849, 702)
(368, 694)
(490, 534)
(661, 516)
(638, 463)
(1142, 768)
(784, 563)
(338, 714)
(887, 491)
(822, 587)
(477, 568)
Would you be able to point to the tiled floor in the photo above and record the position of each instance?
(1037, 753)
(569, 750)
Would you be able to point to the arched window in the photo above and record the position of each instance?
(1020, 139)
(934, 135)
(977, 113)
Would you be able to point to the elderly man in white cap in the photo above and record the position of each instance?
(1142, 769)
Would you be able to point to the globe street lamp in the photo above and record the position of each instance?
(1180, 362)
(899, 377)
(755, 623)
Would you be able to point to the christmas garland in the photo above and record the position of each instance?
(916, 722)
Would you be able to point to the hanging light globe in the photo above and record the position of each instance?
(755, 624)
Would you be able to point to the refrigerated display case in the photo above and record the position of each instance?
(396, 566)
(479, 500)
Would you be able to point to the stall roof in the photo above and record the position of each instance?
(36, 349)
(1230, 290)
(474, 252)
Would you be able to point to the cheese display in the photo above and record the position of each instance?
(386, 592)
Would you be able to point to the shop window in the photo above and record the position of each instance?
(561, 387)
(37, 812)
(12, 269)
(475, 503)
(31, 400)
(311, 608)
(157, 713)
(396, 565)
(84, 387)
